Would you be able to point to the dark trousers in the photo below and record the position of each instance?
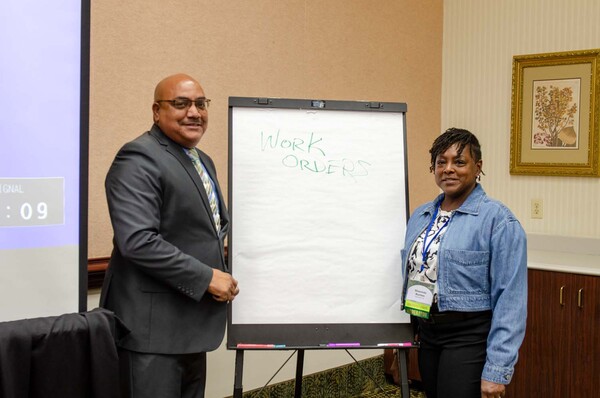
(166, 376)
(453, 353)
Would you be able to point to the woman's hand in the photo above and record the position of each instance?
(492, 390)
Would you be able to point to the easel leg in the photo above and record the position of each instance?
(299, 371)
(403, 374)
(239, 369)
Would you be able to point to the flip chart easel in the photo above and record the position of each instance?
(319, 203)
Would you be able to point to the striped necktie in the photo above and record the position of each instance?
(212, 197)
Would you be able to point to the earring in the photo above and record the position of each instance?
(478, 177)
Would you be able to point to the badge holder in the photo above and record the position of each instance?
(419, 298)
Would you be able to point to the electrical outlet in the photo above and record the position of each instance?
(537, 208)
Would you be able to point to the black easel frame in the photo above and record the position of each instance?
(315, 333)
(239, 370)
(253, 334)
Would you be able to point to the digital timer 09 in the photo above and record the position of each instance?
(31, 201)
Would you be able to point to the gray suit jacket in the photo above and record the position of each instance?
(165, 246)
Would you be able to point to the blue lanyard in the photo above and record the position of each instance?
(425, 245)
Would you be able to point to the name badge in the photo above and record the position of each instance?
(419, 297)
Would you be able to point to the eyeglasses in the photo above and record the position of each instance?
(185, 103)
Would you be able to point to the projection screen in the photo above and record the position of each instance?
(43, 157)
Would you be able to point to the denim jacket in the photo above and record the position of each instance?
(482, 265)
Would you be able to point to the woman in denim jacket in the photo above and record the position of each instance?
(465, 278)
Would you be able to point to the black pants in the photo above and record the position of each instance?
(166, 376)
(453, 353)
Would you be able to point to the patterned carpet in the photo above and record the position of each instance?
(348, 381)
(392, 391)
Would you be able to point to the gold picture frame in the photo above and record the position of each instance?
(555, 114)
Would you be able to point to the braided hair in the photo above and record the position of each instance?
(455, 136)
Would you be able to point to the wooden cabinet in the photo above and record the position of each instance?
(560, 356)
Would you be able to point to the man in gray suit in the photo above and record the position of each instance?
(167, 279)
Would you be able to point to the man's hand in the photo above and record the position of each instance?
(492, 390)
(223, 286)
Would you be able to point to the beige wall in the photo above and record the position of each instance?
(480, 39)
(388, 50)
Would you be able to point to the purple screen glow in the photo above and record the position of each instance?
(40, 83)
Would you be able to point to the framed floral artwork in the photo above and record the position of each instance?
(555, 114)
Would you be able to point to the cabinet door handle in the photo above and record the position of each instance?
(560, 298)
(580, 298)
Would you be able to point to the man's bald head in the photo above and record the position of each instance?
(184, 126)
(165, 86)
